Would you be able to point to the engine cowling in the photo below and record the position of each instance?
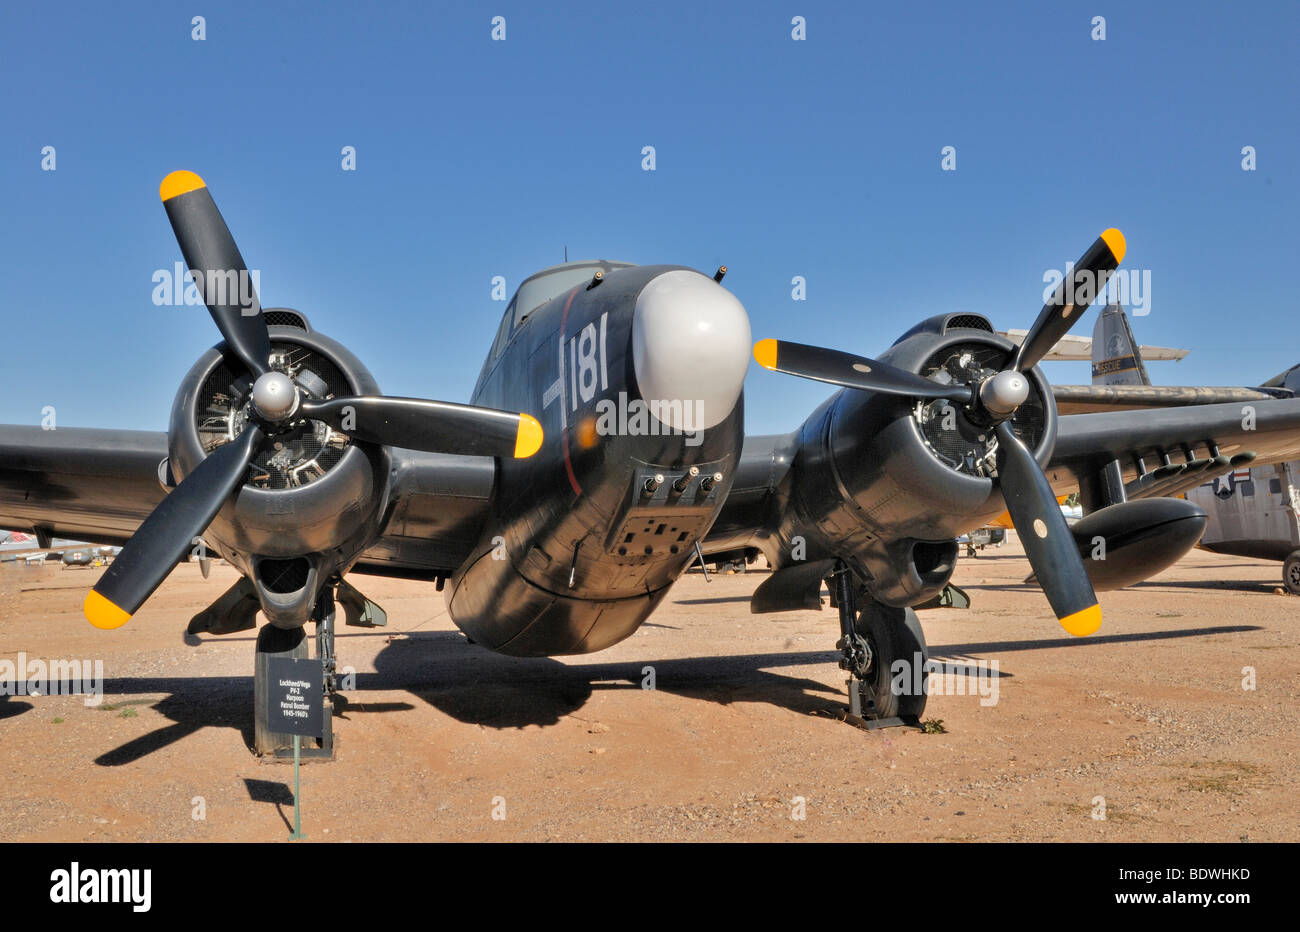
(308, 505)
(996, 422)
(925, 465)
(888, 482)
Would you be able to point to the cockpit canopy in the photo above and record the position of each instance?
(535, 291)
(542, 286)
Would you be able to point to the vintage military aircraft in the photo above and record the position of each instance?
(603, 451)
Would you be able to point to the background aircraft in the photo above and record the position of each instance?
(16, 547)
(1106, 348)
(1252, 511)
(603, 451)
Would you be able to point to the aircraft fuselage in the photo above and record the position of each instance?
(587, 535)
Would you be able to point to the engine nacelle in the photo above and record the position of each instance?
(909, 571)
(888, 482)
(924, 466)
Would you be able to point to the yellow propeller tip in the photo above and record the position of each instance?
(1084, 623)
(1115, 240)
(529, 438)
(178, 183)
(102, 613)
(765, 353)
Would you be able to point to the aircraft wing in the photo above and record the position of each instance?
(1268, 428)
(439, 504)
(1088, 399)
(90, 485)
(98, 486)
(754, 502)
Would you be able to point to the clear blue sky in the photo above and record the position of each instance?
(778, 158)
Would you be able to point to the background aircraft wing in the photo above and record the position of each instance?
(1120, 381)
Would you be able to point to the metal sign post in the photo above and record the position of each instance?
(297, 792)
(296, 707)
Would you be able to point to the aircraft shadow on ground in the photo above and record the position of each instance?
(718, 601)
(1242, 585)
(1233, 585)
(11, 707)
(475, 686)
(479, 687)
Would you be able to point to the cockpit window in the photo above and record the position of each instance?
(503, 333)
(551, 283)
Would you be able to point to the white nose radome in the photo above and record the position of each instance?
(690, 349)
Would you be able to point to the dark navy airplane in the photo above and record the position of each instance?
(603, 452)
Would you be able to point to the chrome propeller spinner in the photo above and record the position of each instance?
(275, 397)
(1003, 393)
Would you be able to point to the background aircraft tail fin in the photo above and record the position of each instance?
(1116, 359)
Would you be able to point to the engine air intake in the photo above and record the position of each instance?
(967, 322)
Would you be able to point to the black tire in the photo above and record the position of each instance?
(894, 634)
(1291, 573)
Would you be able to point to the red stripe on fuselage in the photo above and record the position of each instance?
(568, 463)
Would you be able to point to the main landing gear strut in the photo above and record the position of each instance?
(882, 649)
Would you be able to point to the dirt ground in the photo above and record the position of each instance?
(741, 738)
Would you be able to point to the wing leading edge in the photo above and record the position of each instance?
(1212, 438)
(1257, 431)
(92, 485)
(99, 486)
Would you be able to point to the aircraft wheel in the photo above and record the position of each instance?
(1291, 573)
(894, 634)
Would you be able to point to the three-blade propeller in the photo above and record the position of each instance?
(223, 281)
(1032, 504)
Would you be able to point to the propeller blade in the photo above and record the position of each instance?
(827, 365)
(160, 542)
(218, 268)
(1046, 537)
(432, 426)
(1071, 298)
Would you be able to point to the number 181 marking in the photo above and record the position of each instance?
(587, 350)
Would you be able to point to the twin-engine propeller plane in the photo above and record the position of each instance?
(602, 452)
